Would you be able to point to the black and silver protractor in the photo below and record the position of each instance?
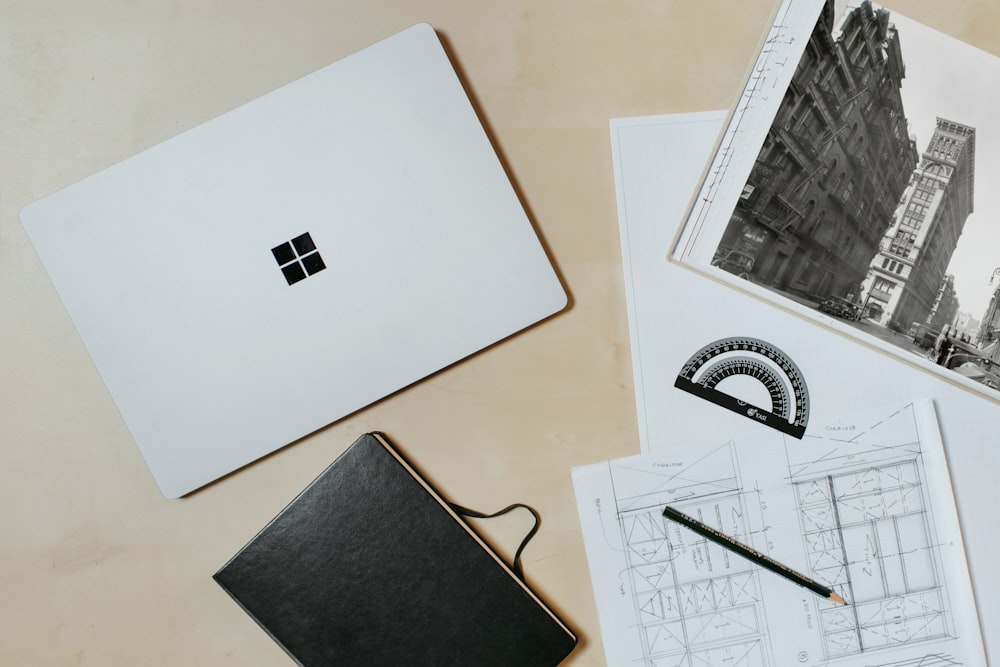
(750, 377)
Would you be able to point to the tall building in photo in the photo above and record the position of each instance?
(903, 287)
(945, 306)
(835, 161)
(989, 329)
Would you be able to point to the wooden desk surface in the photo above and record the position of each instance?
(97, 567)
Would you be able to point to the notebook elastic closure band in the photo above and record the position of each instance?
(516, 564)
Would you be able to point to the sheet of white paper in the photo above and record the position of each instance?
(865, 508)
(674, 312)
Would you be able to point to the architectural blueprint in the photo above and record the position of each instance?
(862, 505)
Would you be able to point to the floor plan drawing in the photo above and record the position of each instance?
(857, 508)
(868, 532)
(932, 660)
(695, 603)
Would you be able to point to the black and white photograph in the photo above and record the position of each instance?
(870, 201)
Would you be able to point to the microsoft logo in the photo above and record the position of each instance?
(298, 258)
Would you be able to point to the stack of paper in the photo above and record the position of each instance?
(755, 406)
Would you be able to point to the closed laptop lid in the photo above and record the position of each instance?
(283, 265)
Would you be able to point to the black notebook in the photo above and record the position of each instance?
(370, 566)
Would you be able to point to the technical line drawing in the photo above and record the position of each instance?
(868, 532)
(930, 660)
(695, 603)
(854, 502)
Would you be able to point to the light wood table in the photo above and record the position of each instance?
(97, 567)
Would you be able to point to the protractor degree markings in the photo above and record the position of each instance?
(742, 366)
(757, 360)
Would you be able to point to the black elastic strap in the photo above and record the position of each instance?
(516, 565)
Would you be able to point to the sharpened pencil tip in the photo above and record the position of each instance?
(836, 598)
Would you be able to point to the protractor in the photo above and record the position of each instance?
(750, 377)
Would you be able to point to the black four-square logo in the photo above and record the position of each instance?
(298, 258)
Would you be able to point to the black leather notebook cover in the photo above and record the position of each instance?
(370, 566)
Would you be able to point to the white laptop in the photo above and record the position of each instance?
(281, 266)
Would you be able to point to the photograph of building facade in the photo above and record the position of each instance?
(907, 285)
(821, 195)
(945, 307)
(989, 328)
